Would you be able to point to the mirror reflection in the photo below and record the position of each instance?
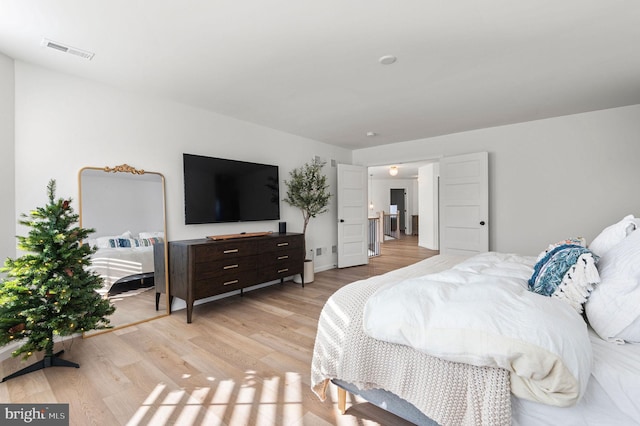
(126, 207)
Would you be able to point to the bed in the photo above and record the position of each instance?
(125, 263)
(367, 344)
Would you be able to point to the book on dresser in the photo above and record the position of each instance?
(208, 267)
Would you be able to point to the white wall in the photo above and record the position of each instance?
(548, 179)
(428, 234)
(8, 218)
(64, 123)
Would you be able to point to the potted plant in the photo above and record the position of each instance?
(307, 189)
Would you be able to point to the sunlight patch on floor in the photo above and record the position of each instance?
(270, 402)
(292, 398)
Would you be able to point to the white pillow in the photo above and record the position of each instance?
(612, 235)
(158, 234)
(613, 309)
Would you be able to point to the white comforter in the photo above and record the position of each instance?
(481, 313)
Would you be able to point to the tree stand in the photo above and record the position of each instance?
(47, 361)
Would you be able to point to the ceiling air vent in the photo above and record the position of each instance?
(67, 49)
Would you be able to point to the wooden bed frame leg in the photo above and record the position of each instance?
(342, 400)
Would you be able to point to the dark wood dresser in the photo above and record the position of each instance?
(203, 268)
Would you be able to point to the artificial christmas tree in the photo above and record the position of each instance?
(48, 291)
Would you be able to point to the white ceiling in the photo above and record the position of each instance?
(311, 67)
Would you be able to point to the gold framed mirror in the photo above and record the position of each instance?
(126, 207)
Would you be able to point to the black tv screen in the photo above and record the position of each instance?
(221, 190)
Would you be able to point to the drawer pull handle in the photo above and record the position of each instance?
(282, 244)
(230, 266)
(282, 257)
(231, 251)
(282, 270)
(230, 282)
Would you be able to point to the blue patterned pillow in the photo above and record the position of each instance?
(146, 242)
(567, 272)
(133, 242)
(552, 267)
(123, 242)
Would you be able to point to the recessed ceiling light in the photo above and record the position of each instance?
(371, 134)
(387, 59)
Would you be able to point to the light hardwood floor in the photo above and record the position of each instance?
(243, 361)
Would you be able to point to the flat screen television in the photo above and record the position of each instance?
(220, 190)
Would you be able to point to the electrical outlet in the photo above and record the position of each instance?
(318, 251)
(334, 249)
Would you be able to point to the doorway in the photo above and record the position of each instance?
(397, 198)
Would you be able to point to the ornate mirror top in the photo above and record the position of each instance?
(124, 168)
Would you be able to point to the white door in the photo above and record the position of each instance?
(464, 204)
(352, 216)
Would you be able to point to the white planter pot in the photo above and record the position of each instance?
(308, 273)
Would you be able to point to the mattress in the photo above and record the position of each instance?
(113, 264)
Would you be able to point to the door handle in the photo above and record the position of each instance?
(341, 220)
(482, 223)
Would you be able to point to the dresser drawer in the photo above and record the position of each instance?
(272, 244)
(280, 270)
(221, 250)
(281, 256)
(211, 287)
(225, 267)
